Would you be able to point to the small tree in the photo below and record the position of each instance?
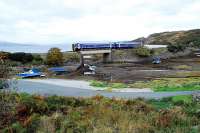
(54, 57)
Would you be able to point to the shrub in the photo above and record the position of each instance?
(30, 104)
(72, 57)
(100, 114)
(15, 128)
(21, 57)
(37, 57)
(37, 60)
(7, 100)
(142, 52)
(176, 47)
(4, 55)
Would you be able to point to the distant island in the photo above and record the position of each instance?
(31, 48)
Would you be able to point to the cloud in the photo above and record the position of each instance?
(62, 21)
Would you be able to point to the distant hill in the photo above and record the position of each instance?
(181, 37)
(190, 37)
(30, 48)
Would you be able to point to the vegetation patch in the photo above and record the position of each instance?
(158, 85)
(96, 83)
(107, 85)
(183, 67)
(118, 85)
(71, 57)
(34, 113)
(143, 52)
(182, 99)
(184, 87)
(169, 84)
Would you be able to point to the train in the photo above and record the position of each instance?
(109, 45)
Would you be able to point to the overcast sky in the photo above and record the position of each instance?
(66, 21)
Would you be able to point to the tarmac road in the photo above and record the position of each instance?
(49, 89)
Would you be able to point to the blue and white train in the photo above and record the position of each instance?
(109, 45)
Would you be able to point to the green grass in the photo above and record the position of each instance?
(170, 84)
(107, 85)
(161, 104)
(158, 85)
(183, 87)
(95, 83)
(182, 99)
(118, 85)
(183, 67)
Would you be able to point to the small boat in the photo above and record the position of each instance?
(58, 70)
(31, 73)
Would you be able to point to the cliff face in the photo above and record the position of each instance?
(181, 37)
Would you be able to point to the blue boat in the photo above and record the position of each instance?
(58, 70)
(30, 74)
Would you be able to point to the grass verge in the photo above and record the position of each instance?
(108, 86)
(158, 85)
(170, 84)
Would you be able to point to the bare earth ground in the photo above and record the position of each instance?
(131, 72)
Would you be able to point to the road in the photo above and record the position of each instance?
(47, 89)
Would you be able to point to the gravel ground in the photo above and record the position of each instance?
(50, 89)
(82, 85)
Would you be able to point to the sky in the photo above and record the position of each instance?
(69, 21)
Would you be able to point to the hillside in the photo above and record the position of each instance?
(190, 37)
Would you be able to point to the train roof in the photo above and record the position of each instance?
(122, 42)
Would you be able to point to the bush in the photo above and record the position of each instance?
(30, 104)
(21, 57)
(100, 114)
(176, 47)
(4, 74)
(143, 52)
(4, 55)
(15, 128)
(72, 57)
(37, 60)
